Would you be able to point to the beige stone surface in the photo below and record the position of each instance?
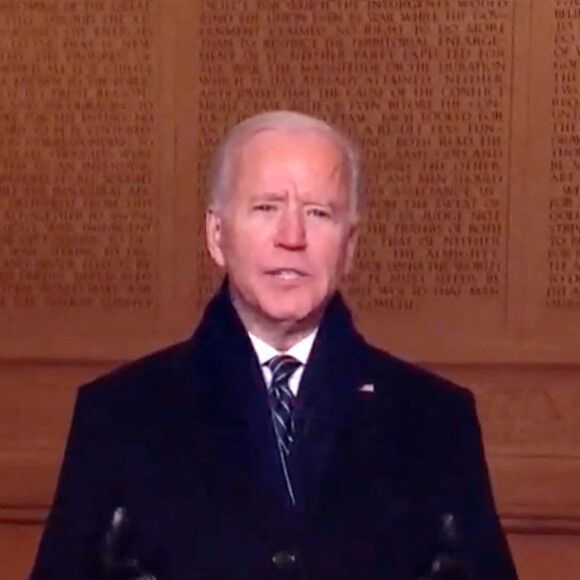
(17, 548)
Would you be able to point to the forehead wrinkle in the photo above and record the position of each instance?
(336, 173)
(333, 169)
(312, 195)
(338, 169)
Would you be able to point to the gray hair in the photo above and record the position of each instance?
(219, 175)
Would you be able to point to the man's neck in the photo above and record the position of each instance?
(279, 334)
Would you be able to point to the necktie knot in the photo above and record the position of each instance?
(283, 367)
(282, 399)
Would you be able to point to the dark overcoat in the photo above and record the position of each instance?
(183, 440)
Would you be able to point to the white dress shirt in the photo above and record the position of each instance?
(300, 351)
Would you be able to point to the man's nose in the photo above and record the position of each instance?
(291, 230)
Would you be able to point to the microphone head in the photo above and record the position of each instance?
(449, 533)
(117, 558)
(448, 564)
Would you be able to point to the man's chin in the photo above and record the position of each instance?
(294, 317)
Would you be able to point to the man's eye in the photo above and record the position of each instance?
(264, 207)
(319, 212)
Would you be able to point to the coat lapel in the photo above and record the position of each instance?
(236, 414)
(326, 399)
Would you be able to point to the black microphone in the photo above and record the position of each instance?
(447, 563)
(118, 560)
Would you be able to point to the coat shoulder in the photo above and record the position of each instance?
(415, 385)
(156, 373)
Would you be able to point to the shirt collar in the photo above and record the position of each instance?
(300, 351)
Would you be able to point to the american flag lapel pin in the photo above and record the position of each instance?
(367, 388)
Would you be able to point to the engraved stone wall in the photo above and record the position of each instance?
(425, 88)
(469, 227)
(563, 285)
(77, 203)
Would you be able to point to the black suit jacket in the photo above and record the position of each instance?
(183, 439)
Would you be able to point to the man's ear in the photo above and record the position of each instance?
(350, 250)
(214, 236)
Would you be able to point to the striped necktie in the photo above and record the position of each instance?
(282, 399)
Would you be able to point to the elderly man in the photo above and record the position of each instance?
(275, 443)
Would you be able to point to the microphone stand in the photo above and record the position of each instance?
(119, 563)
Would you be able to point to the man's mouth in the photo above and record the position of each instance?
(286, 273)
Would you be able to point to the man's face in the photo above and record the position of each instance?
(285, 232)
